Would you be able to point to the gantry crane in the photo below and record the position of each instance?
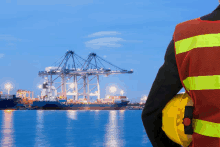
(71, 69)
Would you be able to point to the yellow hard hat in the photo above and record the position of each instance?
(172, 119)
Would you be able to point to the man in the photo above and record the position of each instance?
(166, 85)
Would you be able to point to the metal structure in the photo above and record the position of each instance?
(23, 94)
(71, 69)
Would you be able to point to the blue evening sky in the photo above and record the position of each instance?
(131, 34)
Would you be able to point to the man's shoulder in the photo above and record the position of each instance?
(191, 21)
(186, 26)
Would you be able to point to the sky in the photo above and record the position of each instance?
(129, 34)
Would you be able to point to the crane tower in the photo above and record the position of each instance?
(66, 76)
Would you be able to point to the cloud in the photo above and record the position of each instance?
(9, 38)
(2, 55)
(104, 42)
(134, 41)
(10, 44)
(138, 3)
(54, 2)
(104, 56)
(104, 33)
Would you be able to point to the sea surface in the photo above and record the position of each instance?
(72, 128)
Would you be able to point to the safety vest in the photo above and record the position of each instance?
(197, 52)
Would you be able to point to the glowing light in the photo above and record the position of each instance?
(8, 86)
(143, 99)
(8, 110)
(40, 86)
(113, 89)
(72, 85)
(121, 111)
(122, 92)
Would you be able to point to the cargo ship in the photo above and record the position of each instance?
(47, 105)
(98, 106)
(8, 101)
(109, 103)
(112, 103)
(118, 105)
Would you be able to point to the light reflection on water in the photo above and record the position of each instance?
(72, 114)
(112, 136)
(72, 128)
(97, 115)
(8, 131)
(145, 138)
(40, 140)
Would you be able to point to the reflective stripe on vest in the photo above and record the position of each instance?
(202, 82)
(207, 40)
(185, 45)
(206, 128)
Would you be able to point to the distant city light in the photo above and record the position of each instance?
(122, 92)
(144, 98)
(107, 96)
(8, 86)
(72, 85)
(40, 86)
(113, 89)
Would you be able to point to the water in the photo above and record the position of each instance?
(37, 128)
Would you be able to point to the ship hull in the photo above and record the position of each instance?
(93, 108)
(119, 106)
(76, 107)
(46, 105)
(8, 104)
(107, 108)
